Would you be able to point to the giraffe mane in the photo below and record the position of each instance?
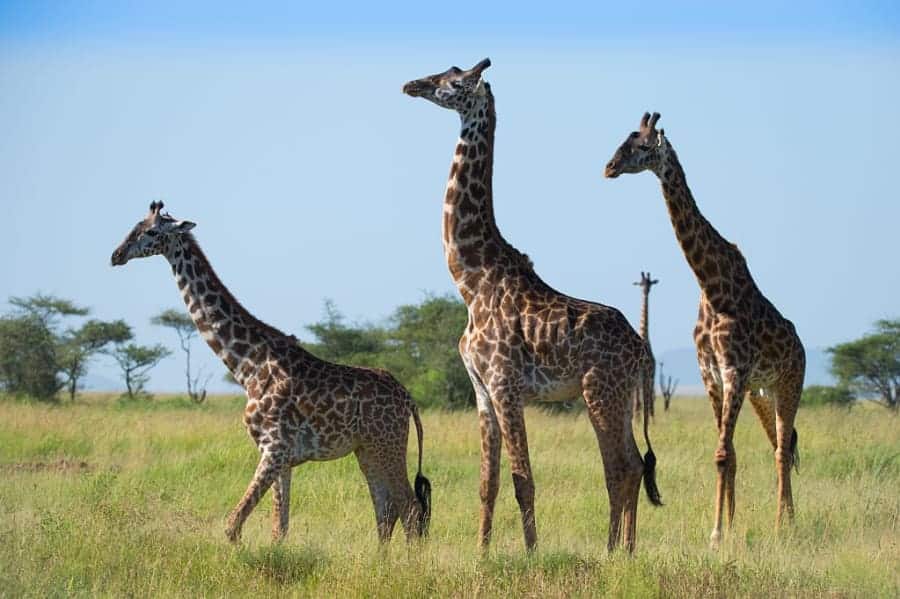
(229, 297)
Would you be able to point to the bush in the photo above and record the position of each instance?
(823, 395)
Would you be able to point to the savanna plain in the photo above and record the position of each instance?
(105, 498)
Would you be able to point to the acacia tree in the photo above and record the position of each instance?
(34, 351)
(186, 330)
(136, 361)
(870, 366)
(28, 364)
(77, 346)
(417, 344)
(47, 309)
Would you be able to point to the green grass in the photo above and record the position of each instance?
(111, 499)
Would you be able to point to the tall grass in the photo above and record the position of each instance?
(104, 498)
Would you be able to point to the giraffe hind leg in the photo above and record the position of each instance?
(787, 401)
(622, 466)
(764, 405)
(392, 496)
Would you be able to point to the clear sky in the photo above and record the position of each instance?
(281, 130)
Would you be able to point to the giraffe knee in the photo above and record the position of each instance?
(488, 491)
(784, 457)
(725, 458)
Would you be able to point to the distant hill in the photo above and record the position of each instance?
(681, 364)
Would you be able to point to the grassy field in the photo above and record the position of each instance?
(102, 498)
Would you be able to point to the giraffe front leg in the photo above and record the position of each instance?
(511, 415)
(490, 473)
(725, 456)
(266, 472)
(490, 455)
(281, 500)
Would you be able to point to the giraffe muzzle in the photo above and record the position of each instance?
(118, 258)
(612, 170)
(417, 88)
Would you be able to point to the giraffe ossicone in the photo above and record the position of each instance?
(745, 347)
(524, 340)
(299, 408)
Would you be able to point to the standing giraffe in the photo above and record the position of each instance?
(524, 340)
(745, 347)
(644, 330)
(299, 408)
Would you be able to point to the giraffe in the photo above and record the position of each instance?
(644, 330)
(525, 340)
(299, 408)
(745, 347)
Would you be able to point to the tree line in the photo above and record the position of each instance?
(48, 343)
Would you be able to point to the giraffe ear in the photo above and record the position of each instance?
(183, 226)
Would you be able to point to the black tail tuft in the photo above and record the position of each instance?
(650, 478)
(423, 494)
(795, 451)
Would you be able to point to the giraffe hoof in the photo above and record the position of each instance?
(233, 536)
(715, 540)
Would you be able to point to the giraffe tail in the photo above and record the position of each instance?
(422, 485)
(649, 457)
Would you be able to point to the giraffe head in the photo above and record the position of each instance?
(642, 149)
(454, 88)
(151, 236)
(646, 282)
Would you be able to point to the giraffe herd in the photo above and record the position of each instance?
(523, 341)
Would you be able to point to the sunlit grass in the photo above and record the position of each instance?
(145, 514)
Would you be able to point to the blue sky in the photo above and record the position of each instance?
(282, 132)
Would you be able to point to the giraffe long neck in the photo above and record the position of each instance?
(235, 335)
(472, 242)
(718, 265)
(645, 309)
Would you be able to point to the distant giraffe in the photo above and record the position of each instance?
(645, 284)
(745, 347)
(524, 340)
(299, 408)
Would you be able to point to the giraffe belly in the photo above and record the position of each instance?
(307, 444)
(543, 387)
